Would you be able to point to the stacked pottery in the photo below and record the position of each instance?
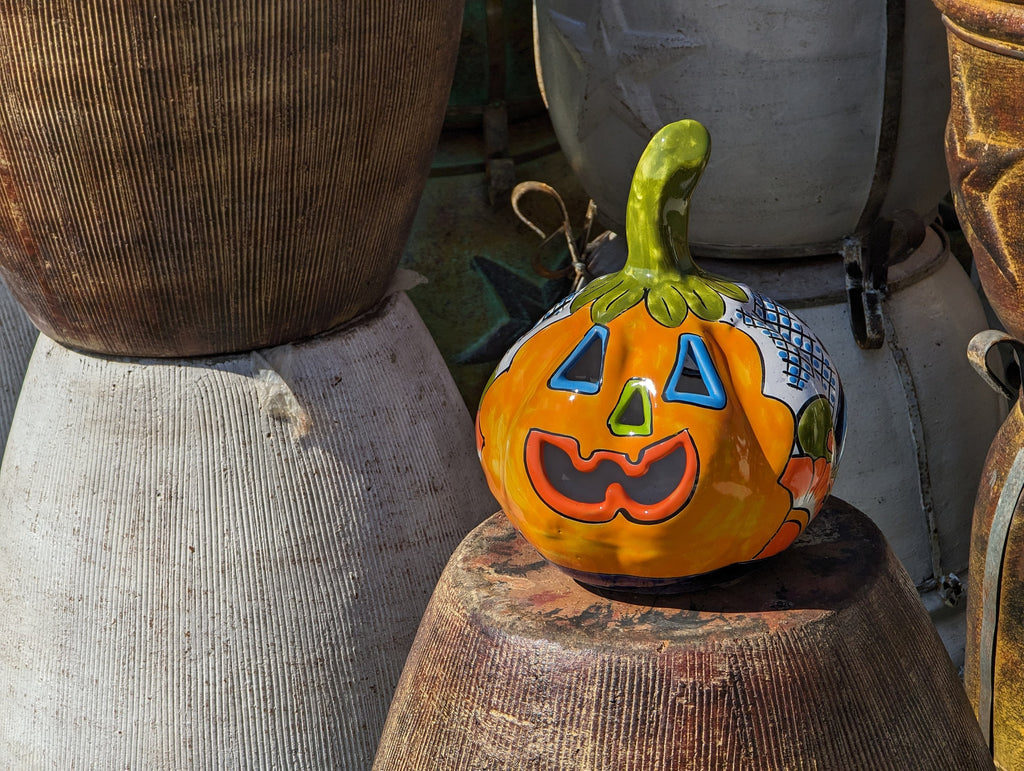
(984, 145)
(666, 439)
(220, 560)
(466, 241)
(912, 484)
(828, 123)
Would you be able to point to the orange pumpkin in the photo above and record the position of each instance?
(661, 423)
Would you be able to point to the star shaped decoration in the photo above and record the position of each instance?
(618, 65)
(524, 304)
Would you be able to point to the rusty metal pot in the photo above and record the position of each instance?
(994, 667)
(985, 144)
(206, 177)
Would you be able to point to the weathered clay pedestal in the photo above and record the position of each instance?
(822, 657)
(221, 563)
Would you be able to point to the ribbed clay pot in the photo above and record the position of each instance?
(985, 144)
(200, 178)
(824, 114)
(221, 563)
(818, 658)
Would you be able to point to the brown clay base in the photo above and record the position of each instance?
(822, 657)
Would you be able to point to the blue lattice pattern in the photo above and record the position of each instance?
(801, 355)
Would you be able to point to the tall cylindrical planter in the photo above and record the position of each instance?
(200, 178)
(985, 144)
(824, 115)
(222, 562)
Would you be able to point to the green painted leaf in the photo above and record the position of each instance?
(595, 289)
(814, 427)
(611, 304)
(666, 305)
(726, 288)
(659, 267)
(704, 301)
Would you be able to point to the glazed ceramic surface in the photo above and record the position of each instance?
(662, 422)
(824, 114)
(918, 485)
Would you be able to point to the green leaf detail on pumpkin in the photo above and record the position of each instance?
(704, 301)
(659, 267)
(814, 427)
(667, 305)
(597, 288)
(726, 288)
(611, 304)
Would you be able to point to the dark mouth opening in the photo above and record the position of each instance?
(658, 482)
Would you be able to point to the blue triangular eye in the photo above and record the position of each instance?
(583, 369)
(694, 379)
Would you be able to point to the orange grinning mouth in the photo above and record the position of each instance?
(654, 488)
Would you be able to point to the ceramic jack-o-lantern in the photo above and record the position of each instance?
(662, 423)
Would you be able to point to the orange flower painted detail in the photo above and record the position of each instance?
(809, 480)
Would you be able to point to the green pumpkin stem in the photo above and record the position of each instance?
(659, 267)
(658, 210)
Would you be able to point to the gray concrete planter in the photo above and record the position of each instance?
(221, 563)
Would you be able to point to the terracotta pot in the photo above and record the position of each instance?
(994, 671)
(917, 485)
(209, 177)
(221, 563)
(985, 144)
(821, 657)
(823, 115)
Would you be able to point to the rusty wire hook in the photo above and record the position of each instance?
(578, 246)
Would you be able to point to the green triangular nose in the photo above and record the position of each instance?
(632, 414)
